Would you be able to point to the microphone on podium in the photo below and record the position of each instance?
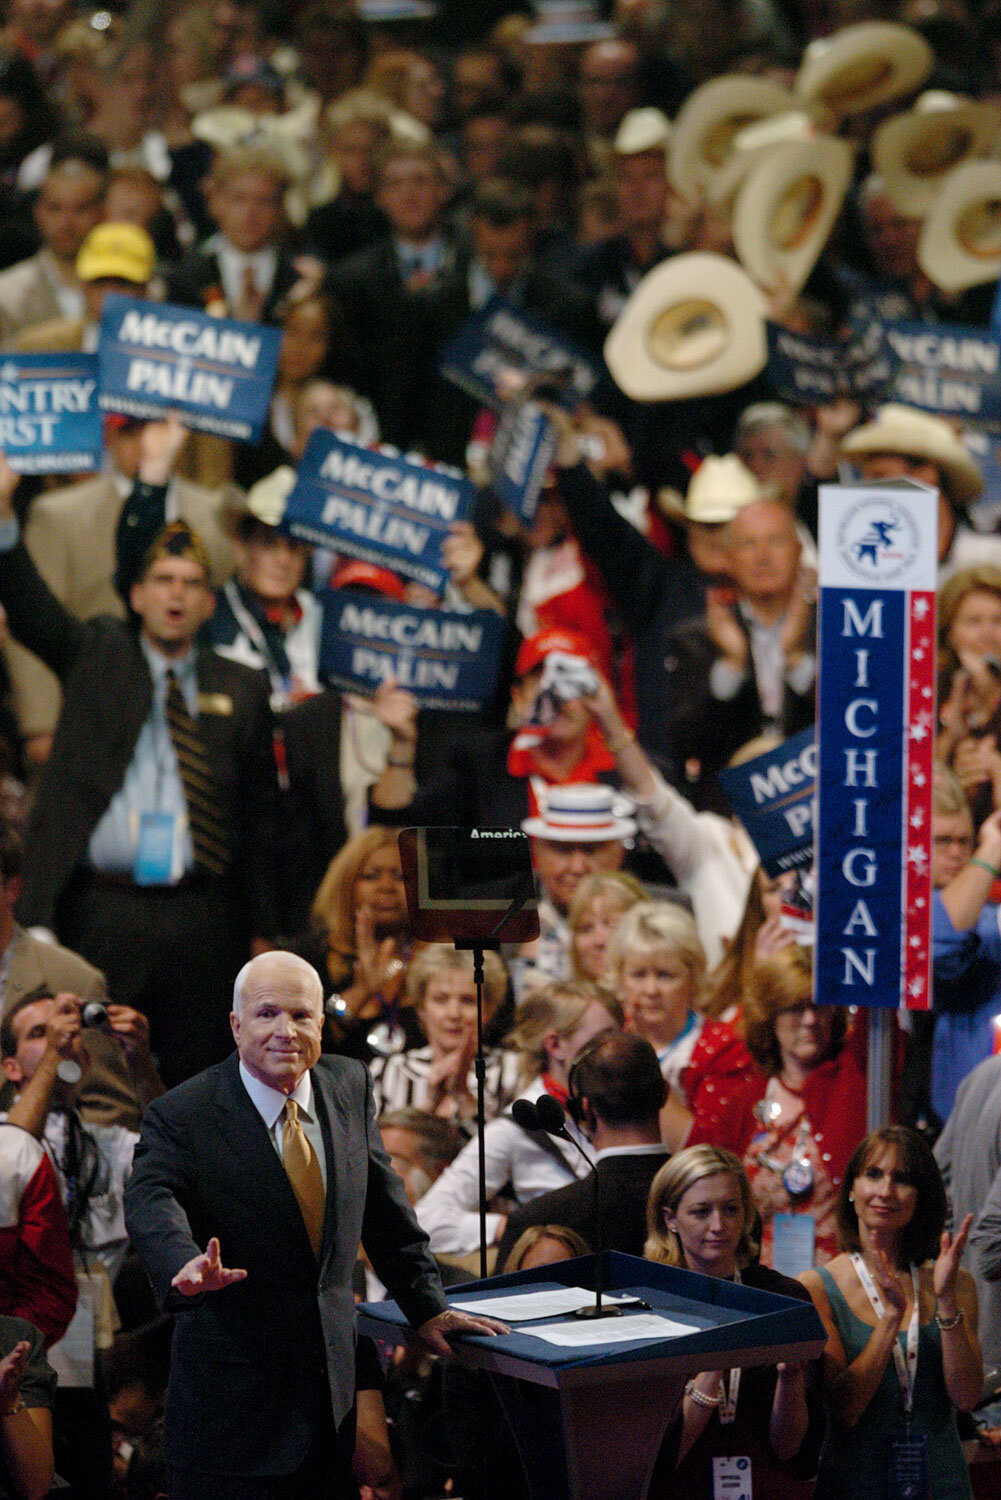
(547, 1114)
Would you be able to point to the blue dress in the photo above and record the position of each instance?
(853, 1459)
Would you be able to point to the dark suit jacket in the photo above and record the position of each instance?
(625, 1186)
(198, 273)
(251, 1364)
(107, 693)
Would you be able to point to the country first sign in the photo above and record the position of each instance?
(376, 505)
(875, 736)
(217, 374)
(49, 418)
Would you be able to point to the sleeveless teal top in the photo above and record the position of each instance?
(853, 1459)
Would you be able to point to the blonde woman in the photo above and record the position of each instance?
(701, 1217)
(553, 1025)
(657, 967)
(595, 910)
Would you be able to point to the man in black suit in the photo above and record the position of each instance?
(616, 1093)
(151, 845)
(245, 270)
(272, 1159)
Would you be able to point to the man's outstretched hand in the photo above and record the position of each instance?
(206, 1273)
(436, 1331)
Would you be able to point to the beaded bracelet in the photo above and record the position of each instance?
(946, 1323)
(700, 1398)
(983, 865)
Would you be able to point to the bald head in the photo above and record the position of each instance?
(764, 548)
(277, 1018)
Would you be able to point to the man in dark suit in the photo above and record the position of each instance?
(244, 271)
(151, 844)
(273, 1159)
(616, 1093)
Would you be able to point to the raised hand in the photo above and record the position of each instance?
(887, 1284)
(946, 1270)
(159, 445)
(205, 1273)
(12, 1370)
(725, 632)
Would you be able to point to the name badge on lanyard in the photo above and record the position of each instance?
(155, 849)
(907, 1469)
(732, 1478)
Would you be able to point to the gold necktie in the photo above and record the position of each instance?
(304, 1174)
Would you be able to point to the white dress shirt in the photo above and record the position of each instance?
(232, 265)
(270, 1105)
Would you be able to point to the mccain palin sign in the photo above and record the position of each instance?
(773, 796)
(217, 374)
(49, 417)
(501, 340)
(377, 505)
(446, 658)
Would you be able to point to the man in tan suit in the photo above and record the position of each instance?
(70, 534)
(121, 1078)
(45, 287)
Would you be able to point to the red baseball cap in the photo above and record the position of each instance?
(533, 651)
(362, 575)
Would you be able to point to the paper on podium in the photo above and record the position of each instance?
(633, 1328)
(522, 1307)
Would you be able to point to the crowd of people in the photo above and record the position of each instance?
(198, 829)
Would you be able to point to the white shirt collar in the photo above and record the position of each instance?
(270, 1102)
(651, 1148)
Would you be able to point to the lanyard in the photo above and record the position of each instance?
(254, 634)
(730, 1388)
(906, 1369)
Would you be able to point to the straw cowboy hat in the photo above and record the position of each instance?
(913, 152)
(750, 145)
(863, 66)
(646, 129)
(917, 434)
(708, 121)
(265, 501)
(960, 244)
(787, 205)
(694, 326)
(719, 488)
(582, 814)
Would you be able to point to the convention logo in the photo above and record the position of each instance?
(877, 539)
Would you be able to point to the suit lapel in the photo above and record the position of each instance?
(246, 1136)
(334, 1127)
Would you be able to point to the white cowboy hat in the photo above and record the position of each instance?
(582, 814)
(750, 145)
(646, 129)
(707, 122)
(719, 488)
(912, 152)
(265, 501)
(917, 434)
(960, 244)
(694, 326)
(787, 205)
(862, 66)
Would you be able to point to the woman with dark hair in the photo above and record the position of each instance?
(800, 1117)
(902, 1352)
(701, 1216)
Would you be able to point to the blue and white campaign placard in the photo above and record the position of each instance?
(808, 371)
(501, 340)
(875, 739)
(447, 659)
(49, 417)
(217, 374)
(520, 455)
(948, 369)
(377, 505)
(773, 796)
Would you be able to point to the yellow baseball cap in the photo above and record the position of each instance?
(121, 252)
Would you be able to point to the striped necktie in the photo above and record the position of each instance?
(208, 832)
(303, 1171)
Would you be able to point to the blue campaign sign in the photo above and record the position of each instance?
(49, 418)
(446, 659)
(217, 374)
(501, 339)
(520, 455)
(773, 797)
(809, 371)
(377, 505)
(948, 369)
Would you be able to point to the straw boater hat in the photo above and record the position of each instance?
(582, 814)
(960, 244)
(912, 152)
(708, 121)
(787, 206)
(916, 434)
(863, 66)
(646, 129)
(695, 326)
(719, 488)
(265, 501)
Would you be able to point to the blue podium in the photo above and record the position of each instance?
(589, 1420)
